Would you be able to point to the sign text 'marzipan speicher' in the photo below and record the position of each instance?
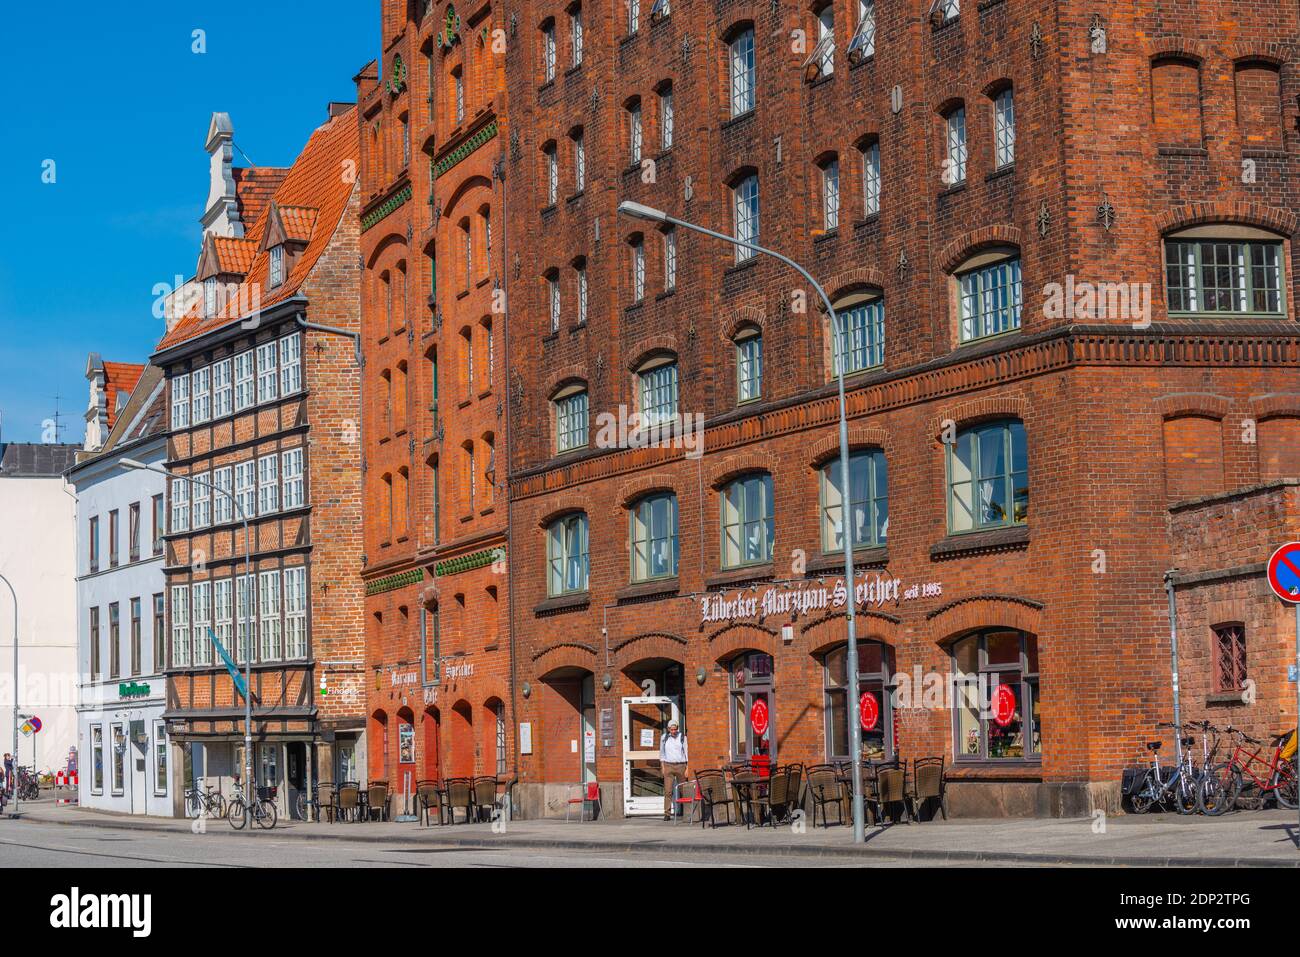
(873, 591)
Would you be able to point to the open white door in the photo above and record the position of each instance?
(644, 721)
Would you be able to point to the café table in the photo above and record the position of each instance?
(744, 786)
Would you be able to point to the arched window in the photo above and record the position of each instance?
(870, 159)
(858, 332)
(989, 294)
(954, 163)
(635, 132)
(749, 364)
(868, 501)
(830, 177)
(748, 522)
(654, 537)
(579, 160)
(551, 160)
(657, 390)
(876, 715)
(740, 58)
(552, 278)
(995, 699)
(566, 554)
(1004, 128)
(636, 248)
(744, 201)
(571, 418)
(548, 51)
(988, 477)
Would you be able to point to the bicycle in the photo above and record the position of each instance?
(261, 809)
(1180, 786)
(1209, 792)
(29, 788)
(305, 805)
(1278, 777)
(205, 802)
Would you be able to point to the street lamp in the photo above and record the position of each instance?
(248, 608)
(650, 214)
(14, 595)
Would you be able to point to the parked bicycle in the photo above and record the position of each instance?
(1165, 785)
(261, 809)
(1247, 779)
(204, 801)
(29, 788)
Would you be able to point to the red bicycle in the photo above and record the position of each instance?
(1249, 778)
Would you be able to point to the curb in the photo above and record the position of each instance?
(779, 850)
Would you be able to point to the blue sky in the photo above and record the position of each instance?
(117, 98)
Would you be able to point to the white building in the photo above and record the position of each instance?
(37, 542)
(126, 756)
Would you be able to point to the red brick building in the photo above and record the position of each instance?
(433, 250)
(1061, 245)
(263, 416)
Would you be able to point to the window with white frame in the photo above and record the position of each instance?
(988, 476)
(871, 179)
(575, 35)
(868, 501)
(291, 495)
(654, 537)
(222, 389)
(946, 9)
(180, 505)
(670, 259)
(291, 364)
(201, 508)
(268, 486)
(1004, 128)
(267, 372)
(201, 615)
(581, 270)
(246, 488)
(863, 44)
(749, 365)
(548, 51)
(634, 133)
(989, 296)
(748, 523)
(200, 395)
(268, 616)
(666, 117)
(180, 402)
(661, 9)
(180, 626)
(244, 624)
(823, 57)
(638, 269)
(860, 333)
(745, 215)
(277, 265)
(553, 299)
(567, 555)
(1209, 273)
(657, 391)
(633, 16)
(295, 612)
(740, 56)
(579, 163)
(830, 170)
(222, 612)
(223, 508)
(955, 162)
(160, 758)
(244, 379)
(459, 80)
(571, 419)
(552, 174)
(210, 296)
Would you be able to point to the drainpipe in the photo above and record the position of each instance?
(1173, 658)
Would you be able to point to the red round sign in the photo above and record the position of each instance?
(1284, 572)
(868, 711)
(1004, 705)
(758, 716)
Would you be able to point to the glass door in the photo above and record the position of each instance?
(644, 721)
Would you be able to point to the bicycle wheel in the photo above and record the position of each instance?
(300, 805)
(1214, 796)
(193, 805)
(1143, 800)
(1184, 796)
(218, 806)
(266, 814)
(237, 814)
(1287, 785)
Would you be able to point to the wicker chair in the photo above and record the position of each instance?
(428, 794)
(326, 801)
(485, 797)
(460, 794)
(349, 800)
(377, 800)
(890, 790)
(827, 790)
(927, 785)
(715, 796)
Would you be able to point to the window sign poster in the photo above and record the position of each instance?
(525, 737)
(647, 738)
(589, 745)
(406, 743)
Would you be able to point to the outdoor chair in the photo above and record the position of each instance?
(580, 795)
(460, 794)
(485, 797)
(428, 795)
(890, 791)
(827, 790)
(715, 796)
(326, 801)
(927, 785)
(349, 800)
(377, 800)
(686, 792)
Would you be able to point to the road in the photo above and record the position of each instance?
(36, 844)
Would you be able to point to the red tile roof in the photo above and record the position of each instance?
(234, 255)
(119, 377)
(298, 222)
(254, 188)
(315, 181)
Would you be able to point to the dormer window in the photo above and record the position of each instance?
(277, 265)
(210, 296)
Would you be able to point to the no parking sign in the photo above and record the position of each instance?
(1284, 572)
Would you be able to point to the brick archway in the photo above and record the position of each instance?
(985, 611)
(726, 641)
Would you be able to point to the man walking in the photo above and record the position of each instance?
(673, 758)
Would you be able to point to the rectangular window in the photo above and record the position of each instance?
(1229, 658)
(638, 271)
(267, 369)
(97, 758)
(575, 35)
(1004, 128)
(634, 134)
(654, 538)
(210, 296)
(201, 511)
(244, 624)
(180, 626)
(995, 707)
(579, 164)
(741, 57)
(133, 532)
(222, 612)
(159, 633)
(749, 368)
(860, 330)
(291, 364)
(180, 402)
(295, 612)
(119, 759)
(180, 505)
(244, 377)
(988, 477)
(246, 488)
(955, 164)
(96, 665)
(223, 507)
(460, 97)
(670, 259)
(277, 265)
(291, 478)
(553, 298)
(666, 118)
(871, 179)
(93, 539)
(658, 394)
(571, 422)
(548, 53)
(990, 299)
(825, 51)
(158, 524)
(567, 556)
(1224, 277)
(831, 195)
(745, 197)
(137, 626)
(268, 615)
(160, 758)
(201, 615)
(200, 396)
(748, 525)
(552, 176)
(268, 487)
(947, 9)
(112, 539)
(114, 640)
(868, 503)
(633, 16)
(582, 294)
(863, 44)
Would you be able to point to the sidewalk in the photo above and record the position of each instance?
(1258, 839)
